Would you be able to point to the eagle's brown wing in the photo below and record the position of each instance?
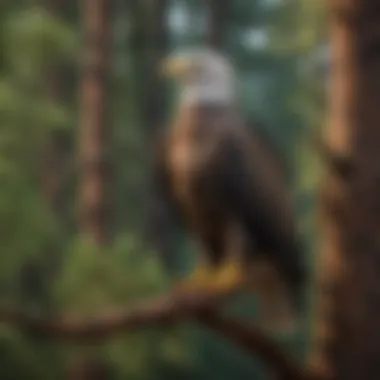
(269, 148)
(258, 195)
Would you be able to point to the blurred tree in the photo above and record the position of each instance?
(94, 150)
(347, 334)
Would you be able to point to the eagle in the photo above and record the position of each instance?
(226, 186)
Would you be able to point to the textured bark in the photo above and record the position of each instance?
(95, 126)
(94, 150)
(347, 336)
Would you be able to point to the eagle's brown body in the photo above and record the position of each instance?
(229, 190)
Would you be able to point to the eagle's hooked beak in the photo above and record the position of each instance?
(175, 67)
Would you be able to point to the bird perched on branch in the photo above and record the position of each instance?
(227, 188)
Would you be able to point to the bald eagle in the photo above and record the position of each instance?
(226, 187)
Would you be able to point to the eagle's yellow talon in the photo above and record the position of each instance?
(228, 278)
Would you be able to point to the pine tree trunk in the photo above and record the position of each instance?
(347, 341)
(95, 126)
(94, 149)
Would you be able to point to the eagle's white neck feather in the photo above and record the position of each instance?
(195, 94)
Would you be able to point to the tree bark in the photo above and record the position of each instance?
(347, 340)
(95, 126)
(94, 150)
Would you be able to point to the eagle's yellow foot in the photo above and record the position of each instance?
(199, 280)
(228, 278)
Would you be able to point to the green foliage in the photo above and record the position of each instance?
(35, 40)
(26, 360)
(32, 40)
(95, 279)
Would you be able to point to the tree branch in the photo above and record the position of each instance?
(252, 340)
(163, 310)
(166, 309)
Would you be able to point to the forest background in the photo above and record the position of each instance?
(280, 52)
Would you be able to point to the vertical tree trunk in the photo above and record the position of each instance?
(94, 149)
(95, 130)
(347, 341)
(218, 16)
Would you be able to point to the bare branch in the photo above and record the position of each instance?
(164, 310)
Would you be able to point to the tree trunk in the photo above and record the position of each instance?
(347, 341)
(94, 149)
(218, 16)
(95, 129)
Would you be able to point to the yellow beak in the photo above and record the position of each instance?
(175, 67)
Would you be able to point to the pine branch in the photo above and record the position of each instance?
(164, 310)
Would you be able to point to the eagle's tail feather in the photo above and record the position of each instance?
(276, 307)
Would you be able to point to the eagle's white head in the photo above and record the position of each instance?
(204, 76)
